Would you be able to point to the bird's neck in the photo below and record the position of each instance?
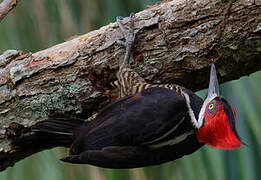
(194, 104)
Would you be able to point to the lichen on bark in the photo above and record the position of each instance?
(176, 43)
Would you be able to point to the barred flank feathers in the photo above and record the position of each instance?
(56, 131)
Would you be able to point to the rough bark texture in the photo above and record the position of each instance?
(176, 43)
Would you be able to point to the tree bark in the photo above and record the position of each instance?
(176, 43)
(6, 6)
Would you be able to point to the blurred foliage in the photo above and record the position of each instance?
(38, 24)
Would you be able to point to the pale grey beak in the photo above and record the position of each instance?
(213, 88)
(213, 91)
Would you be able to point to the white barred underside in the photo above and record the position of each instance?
(130, 82)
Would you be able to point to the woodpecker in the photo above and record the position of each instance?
(148, 125)
(129, 82)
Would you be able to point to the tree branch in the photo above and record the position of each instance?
(6, 6)
(176, 43)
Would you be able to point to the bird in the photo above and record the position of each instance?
(148, 125)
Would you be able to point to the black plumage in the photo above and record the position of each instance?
(151, 125)
(142, 129)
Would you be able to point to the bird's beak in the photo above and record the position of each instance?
(213, 88)
(213, 91)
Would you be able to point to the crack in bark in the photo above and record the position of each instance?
(168, 50)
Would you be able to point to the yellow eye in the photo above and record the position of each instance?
(211, 106)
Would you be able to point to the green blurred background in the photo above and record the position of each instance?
(38, 24)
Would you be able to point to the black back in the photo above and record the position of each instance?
(138, 119)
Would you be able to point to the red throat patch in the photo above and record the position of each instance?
(217, 132)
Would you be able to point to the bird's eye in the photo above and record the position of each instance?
(211, 108)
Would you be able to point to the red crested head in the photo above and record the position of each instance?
(217, 119)
(219, 126)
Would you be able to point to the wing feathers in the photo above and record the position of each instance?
(152, 116)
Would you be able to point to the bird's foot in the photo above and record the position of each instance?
(129, 39)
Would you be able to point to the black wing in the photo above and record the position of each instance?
(153, 116)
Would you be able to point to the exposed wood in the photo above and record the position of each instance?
(6, 6)
(176, 43)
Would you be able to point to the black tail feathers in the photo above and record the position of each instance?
(53, 132)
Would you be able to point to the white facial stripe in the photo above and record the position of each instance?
(166, 134)
(202, 110)
(191, 113)
(174, 141)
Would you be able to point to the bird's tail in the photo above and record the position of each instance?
(53, 132)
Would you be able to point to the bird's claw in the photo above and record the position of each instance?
(121, 43)
(129, 39)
